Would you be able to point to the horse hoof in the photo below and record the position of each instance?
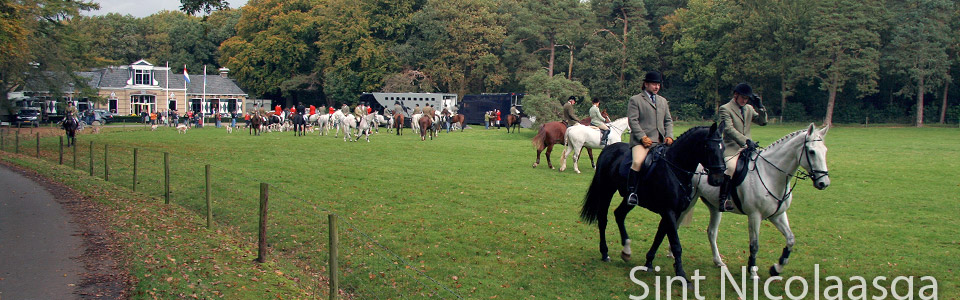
(605, 258)
(624, 256)
(774, 271)
(578, 171)
(720, 264)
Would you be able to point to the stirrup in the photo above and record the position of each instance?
(633, 200)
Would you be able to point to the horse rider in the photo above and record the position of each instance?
(345, 109)
(650, 123)
(72, 113)
(300, 109)
(358, 111)
(745, 108)
(569, 114)
(515, 112)
(417, 109)
(427, 112)
(597, 119)
(397, 108)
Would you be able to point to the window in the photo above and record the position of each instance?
(142, 77)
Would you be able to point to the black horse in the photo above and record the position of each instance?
(665, 188)
(70, 126)
(299, 124)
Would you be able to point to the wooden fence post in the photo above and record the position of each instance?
(209, 206)
(166, 178)
(262, 244)
(91, 158)
(61, 150)
(135, 169)
(75, 154)
(18, 142)
(38, 145)
(334, 244)
(106, 163)
(3, 140)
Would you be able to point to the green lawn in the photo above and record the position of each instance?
(465, 214)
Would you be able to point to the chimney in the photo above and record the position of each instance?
(223, 72)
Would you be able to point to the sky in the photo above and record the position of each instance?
(143, 8)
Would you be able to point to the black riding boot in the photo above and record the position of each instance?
(603, 139)
(633, 184)
(723, 202)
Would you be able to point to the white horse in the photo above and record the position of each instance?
(323, 123)
(384, 120)
(766, 191)
(336, 120)
(580, 136)
(364, 128)
(415, 122)
(348, 124)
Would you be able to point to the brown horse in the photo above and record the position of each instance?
(513, 121)
(255, 122)
(458, 119)
(398, 123)
(550, 134)
(426, 125)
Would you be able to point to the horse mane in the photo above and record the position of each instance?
(691, 131)
(784, 138)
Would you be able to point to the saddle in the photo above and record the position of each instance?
(739, 175)
(653, 158)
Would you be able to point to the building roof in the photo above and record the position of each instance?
(115, 78)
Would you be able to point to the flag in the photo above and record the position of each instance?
(185, 76)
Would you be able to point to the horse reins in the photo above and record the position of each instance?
(814, 174)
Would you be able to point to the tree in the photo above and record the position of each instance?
(843, 45)
(275, 42)
(36, 41)
(701, 47)
(459, 44)
(542, 26)
(545, 93)
(192, 7)
(921, 35)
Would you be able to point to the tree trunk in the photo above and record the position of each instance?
(943, 110)
(920, 91)
(831, 100)
(623, 46)
(553, 53)
(783, 95)
(570, 67)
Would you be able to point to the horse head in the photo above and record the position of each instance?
(712, 156)
(813, 158)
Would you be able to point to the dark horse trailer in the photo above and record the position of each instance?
(474, 106)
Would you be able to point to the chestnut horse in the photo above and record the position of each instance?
(398, 123)
(255, 122)
(550, 134)
(426, 125)
(458, 119)
(513, 121)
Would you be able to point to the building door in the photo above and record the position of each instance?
(113, 103)
(232, 105)
(172, 105)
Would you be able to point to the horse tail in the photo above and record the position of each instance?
(597, 200)
(538, 139)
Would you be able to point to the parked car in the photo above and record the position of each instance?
(99, 117)
(28, 116)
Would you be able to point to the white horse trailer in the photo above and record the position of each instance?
(408, 101)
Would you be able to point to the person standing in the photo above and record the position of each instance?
(486, 120)
(650, 124)
(498, 119)
(446, 118)
(597, 119)
(737, 115)
(217, 118)
(569, 114)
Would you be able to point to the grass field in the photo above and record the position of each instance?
(465, 214)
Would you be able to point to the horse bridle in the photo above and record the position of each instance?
(720, 166)
(814, 174)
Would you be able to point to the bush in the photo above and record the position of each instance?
(687, 112)
(953, 114)
(794, 112)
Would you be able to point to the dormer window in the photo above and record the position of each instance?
(142, 77)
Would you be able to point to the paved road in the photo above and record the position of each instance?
(36, 242)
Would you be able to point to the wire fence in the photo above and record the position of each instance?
(297, 223)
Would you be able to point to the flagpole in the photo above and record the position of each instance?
(205, 85)
(167, 105)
